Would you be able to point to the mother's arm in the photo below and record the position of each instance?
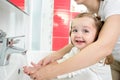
(102, 47)
(55, 55)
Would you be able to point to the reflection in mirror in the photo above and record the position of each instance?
(20, 4)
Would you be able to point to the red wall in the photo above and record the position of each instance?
(61, 23)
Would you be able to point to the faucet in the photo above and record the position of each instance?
(7, 48)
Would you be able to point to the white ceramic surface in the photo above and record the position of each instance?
(14, 70)
(35, 56)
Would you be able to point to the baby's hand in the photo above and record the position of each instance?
(31, 69)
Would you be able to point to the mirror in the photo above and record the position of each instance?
(20, 4)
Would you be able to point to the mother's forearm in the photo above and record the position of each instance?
(88, 56)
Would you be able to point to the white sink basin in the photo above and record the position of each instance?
(14, 70)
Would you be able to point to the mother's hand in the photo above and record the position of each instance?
(44, 73)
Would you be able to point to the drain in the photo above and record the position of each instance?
(19, 71)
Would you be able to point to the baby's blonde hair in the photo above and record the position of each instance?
(97, 20)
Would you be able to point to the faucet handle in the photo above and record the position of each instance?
(16, 41)
(11, 41)
(16, 37)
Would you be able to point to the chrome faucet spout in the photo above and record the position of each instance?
(14, 49)
(7, 48)
(6, 53)
(5, 57)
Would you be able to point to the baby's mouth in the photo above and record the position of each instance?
(79, 41)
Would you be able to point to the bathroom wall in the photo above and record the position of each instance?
(13, 21)
(47, 25)
(42, 24)
(50, 23)
(61, 22)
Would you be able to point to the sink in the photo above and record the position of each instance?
(14, 70)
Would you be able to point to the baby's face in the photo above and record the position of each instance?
(83, 32)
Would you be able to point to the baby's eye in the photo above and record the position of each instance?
(86, 31)
(74, 30)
